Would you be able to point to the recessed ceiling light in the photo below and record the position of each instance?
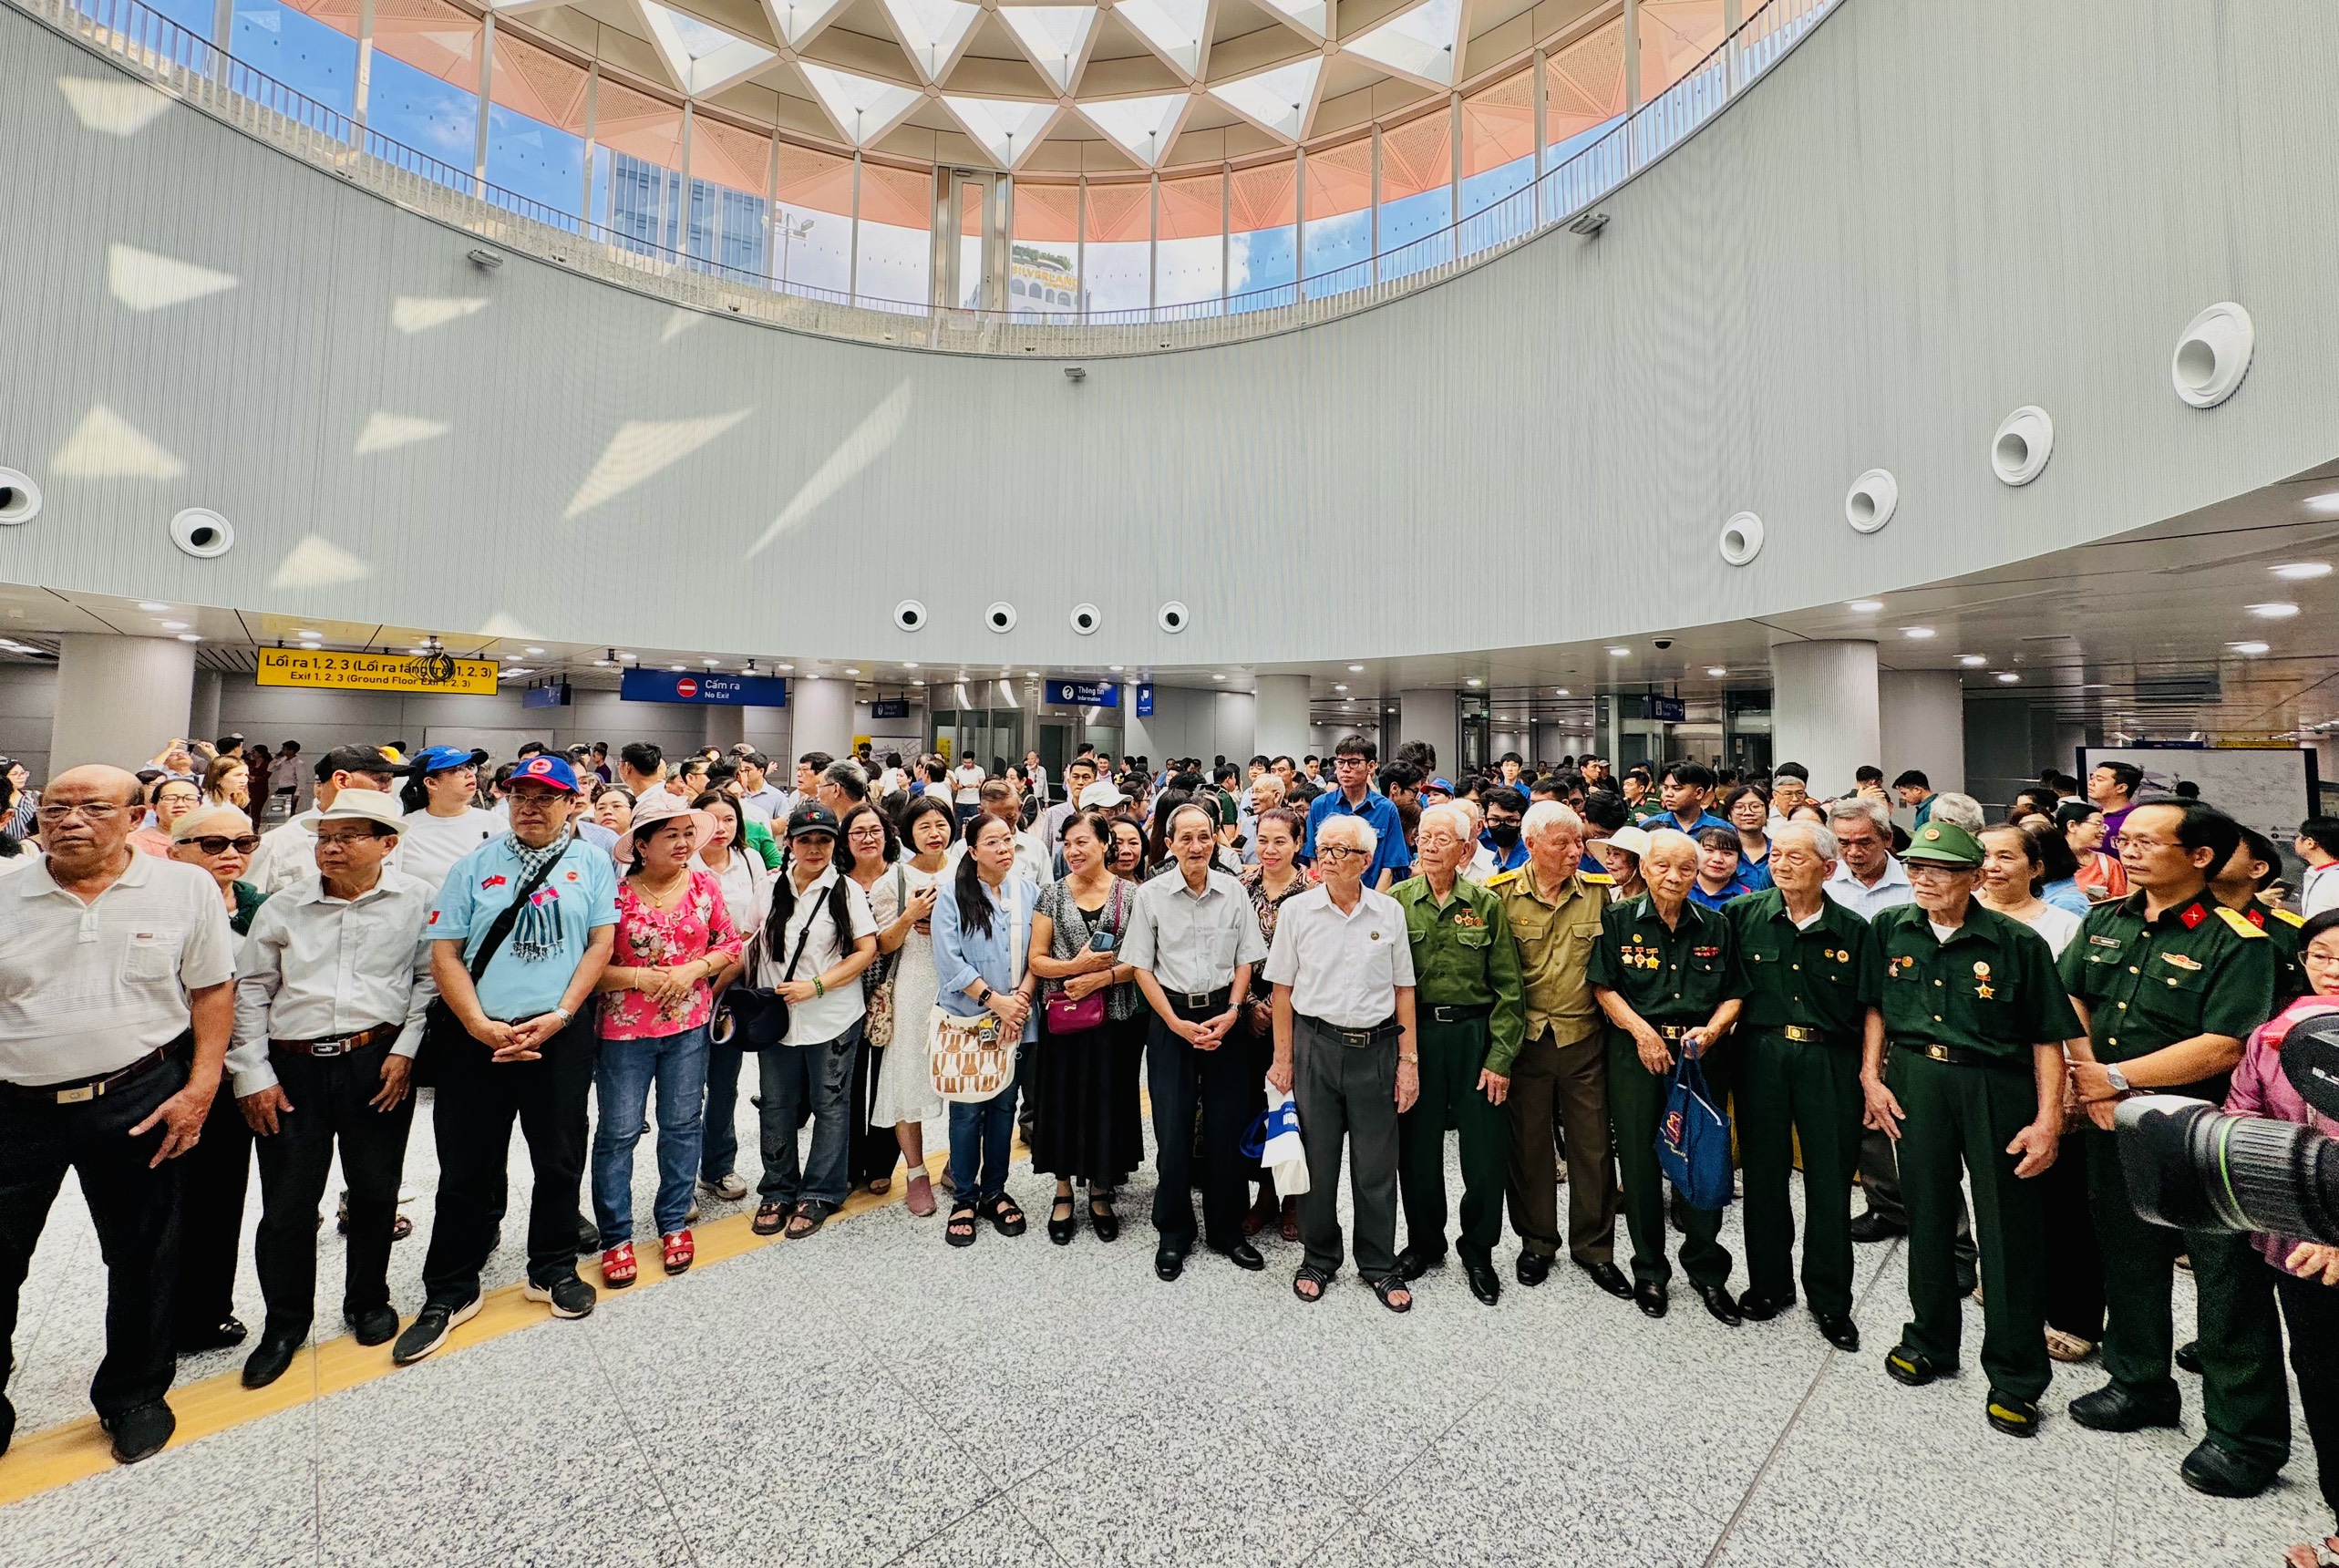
(1972, 661)
(307, 634)
(1865, 606)
(189, 637)
(712, 663)
(2302, 570)
(1116, 668)
(1717, 670)
(1618, 653)
(852, 670)
(2327, 503)
(909, 663)
(1561, 692)
(678, 667)
(1475, 681)
(1031, 674)
(1356, 669)
(2007, 677)
(511, 658)
(1338, 687)
(629, 658)
(2248, 647)
(312, 647)
(174, 626)
(536, 650)
(153, 609)
(2277, 610)
(1217, 677)
(1917, 634)
(783, 666)
(601, 664)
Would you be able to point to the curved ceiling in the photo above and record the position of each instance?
(1100, 87)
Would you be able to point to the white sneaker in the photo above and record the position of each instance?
(731, 1189)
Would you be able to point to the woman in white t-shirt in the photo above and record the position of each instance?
(443, 821)
(2011, 875)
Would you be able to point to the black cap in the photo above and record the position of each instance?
(355, 759)
(812, 819)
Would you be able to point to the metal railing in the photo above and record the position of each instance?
(208, 79)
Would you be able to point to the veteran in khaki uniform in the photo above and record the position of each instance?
(1554, 908)
(1813, 983)
(2172, 983)
(1974, 1022)
(1470, 1019)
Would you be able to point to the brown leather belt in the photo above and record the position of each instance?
(82, 1090)
(340, 1046)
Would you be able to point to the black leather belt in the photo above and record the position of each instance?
(1672, 1031)
(1201, 1001)
(1364, 1037)
(1457, 1012)
(81, 1090)
(340, 1045)
(1804, 1035)
(1959, 1057)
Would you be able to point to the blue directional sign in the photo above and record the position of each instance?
(1145, 700)
(713, 686)
(1085, 694)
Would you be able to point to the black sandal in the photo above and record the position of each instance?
(1394, 1284)
(808, 1219)
(769, 1217)
(1062, 1226)
(1102, 1220)
(1006, 1217)
(1308, 1274)
(960, 1230)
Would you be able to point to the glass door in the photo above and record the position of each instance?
(972, 216)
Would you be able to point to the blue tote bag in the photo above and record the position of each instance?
(1694, 1140)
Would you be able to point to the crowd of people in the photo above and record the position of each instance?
(1920, 1010)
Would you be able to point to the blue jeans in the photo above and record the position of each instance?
(981, 1135)
(621, 1080)
(793, 1076)
(719, 1152)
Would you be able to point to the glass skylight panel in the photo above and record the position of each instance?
(1311, 16)
(1278, 99)
(1175, 28)
(1141, 126)
(1421, 43)
(1056, 36)
(704, 58)
(933, 31)
(794, 21)
(1006, 128)
(863, 107)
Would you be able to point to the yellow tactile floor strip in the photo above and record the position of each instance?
(60, 1455)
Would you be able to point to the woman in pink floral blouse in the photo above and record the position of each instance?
(675, 942)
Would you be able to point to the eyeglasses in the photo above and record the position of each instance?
(219, 844)
(92, 812)
(873, 834)
(344, 839)
(1339, 852)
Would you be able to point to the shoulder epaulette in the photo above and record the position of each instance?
(2240, 923)
(2287, 918)
(1598, 879)
(1501, 879)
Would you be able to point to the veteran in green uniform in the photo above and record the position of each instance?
(1666, 973)
(1813, 979)
(2172, 983)
(1975, 1023)
(2249, 873)
(1470, 1019)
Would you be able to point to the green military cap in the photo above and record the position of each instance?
(1945, 844)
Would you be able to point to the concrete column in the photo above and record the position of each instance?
(1434, 715)
(723, 727)
(824, 717)
(1922, 717)
(1824, 710)
(119, 698)
(1234, 726)
(203, 711)
(1282, 716)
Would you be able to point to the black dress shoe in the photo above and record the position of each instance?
(1912, 1369)
(2015, 1418)
(2219, 1471)
(1169, 1262)
(140, 1432)
(2189, 1357)
(1061, 1231)
(1874, 1227)
(1245, 1256)
(1534, 1268)
(1755, 1307)
(1841, 1331)
(272, 1355)
(1413, 1263)
(1720, 1303)
(220, 1336)
(1485, 1283)
(374, 1325)
(7, 1424)
(588, 1236)
(1649, 1296)
(2112, 1408)
(1610, 1278)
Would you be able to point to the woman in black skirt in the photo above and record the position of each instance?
(1086, 1063)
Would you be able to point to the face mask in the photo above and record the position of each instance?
(1504, 834)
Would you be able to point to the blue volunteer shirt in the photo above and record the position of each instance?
(1379, 812)
(583, 890)
(1505, 860)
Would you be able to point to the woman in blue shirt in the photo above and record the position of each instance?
(982, 928)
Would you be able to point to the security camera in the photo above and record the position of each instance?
(1663, 644)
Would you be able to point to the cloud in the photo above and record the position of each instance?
(104, 446)
(317, 563)
(384, 430)
(878, 430)
(643, 448)
(145, 281)
(410, 314)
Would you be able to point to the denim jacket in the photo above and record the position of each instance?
(960, 955)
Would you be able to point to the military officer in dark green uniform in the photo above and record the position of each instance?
(1975, 1026)
(2253, 868)
(2172, 983)
(1666, 973)
(1471, 1017)
(1812, 984)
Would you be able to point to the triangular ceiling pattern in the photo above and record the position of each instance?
(1057, 38)
(1422, 45)
(1141, 126)
(863, 107)
(1281, 101)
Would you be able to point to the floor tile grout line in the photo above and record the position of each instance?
(633, 1430)
(999, 1493)
(1779, 1445)
(1353, 1509)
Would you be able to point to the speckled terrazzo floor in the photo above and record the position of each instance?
(872, 1397)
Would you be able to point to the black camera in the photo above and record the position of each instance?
(2193, 1167)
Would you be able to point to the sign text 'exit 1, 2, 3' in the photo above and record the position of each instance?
(1085, 694)
(712, 685)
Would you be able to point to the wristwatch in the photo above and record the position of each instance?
(1410, 1061)
(566, 1016)
(2116, 1079)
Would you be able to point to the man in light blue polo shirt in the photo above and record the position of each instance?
(1352, 770)
(521, 1046)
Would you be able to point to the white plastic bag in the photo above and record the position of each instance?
(1280, 1150)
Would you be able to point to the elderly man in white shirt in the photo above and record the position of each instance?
(331, 991)
(1345, 1050)
(115, 1009)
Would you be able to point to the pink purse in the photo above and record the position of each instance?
(1067, 1016)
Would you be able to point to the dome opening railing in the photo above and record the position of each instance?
(189, 67)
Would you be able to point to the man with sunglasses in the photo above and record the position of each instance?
(1352, 767)
(114, 1007)
(330, 990)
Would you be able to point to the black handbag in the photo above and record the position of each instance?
(755, 1017)
(442, 1029)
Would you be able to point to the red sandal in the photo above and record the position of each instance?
(617, 1266)
(681, 1251)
